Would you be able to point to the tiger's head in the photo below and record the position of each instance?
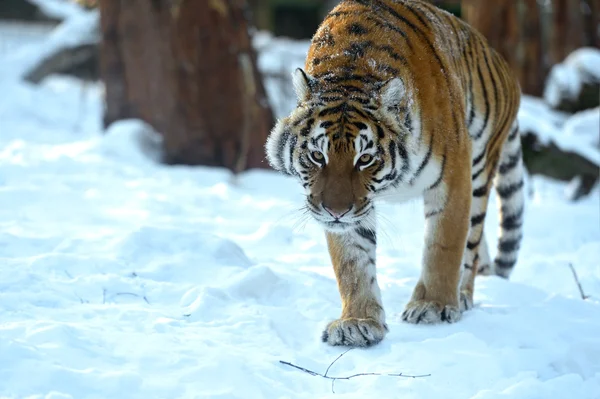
(345, 145)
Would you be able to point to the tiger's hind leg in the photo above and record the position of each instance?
(362, 322)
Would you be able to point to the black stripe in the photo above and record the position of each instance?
(358, 210)
(472, 245)
(293, 142)
(424, 162)
(305, 131)
(357, 29)
(510, 245)
(512, 222)
(389, 50)
(514, 134)
(492, 81)
(471, 94)
(433, 213)
(481, 191)
(330, 99)
(505, 264)
(367, 234)
(392, 150)
(405, 160)
(477, 219)
(508, 191)
(342, 108)
(408, 121)
(511, 162)
(360, 125)
(302, 163)
(420, 17)
(360, 213)
(486, 103)
(301, 120)
(381, 23)
(476, 174)
(334, 78)
(479, 157)
(441, 176)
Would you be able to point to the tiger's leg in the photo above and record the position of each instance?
(475, 251)
(485, 261)
(447, 205)
(362, 322)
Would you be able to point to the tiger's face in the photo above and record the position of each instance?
(342, 151)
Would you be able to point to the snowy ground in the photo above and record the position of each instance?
(120, 278)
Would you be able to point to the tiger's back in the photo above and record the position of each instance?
(401, 97)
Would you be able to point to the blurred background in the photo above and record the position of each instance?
(212, 76)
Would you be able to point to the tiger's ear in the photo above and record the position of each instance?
(304, 84)
(392, 93)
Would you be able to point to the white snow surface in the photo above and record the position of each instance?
(122, 278)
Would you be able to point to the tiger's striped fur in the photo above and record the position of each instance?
(401, 98)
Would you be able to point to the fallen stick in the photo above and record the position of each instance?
(334, 379)
(583, 295)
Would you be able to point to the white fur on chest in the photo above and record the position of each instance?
(406, 192)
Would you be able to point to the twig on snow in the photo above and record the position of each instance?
(334, 379)
(133, 294)
(583, 295)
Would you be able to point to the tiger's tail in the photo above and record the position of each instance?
(508, 183)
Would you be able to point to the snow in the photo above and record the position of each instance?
(122, 278)
(567, 78)
(577, 133)
(78, 28)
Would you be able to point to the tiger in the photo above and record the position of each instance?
(399, 99)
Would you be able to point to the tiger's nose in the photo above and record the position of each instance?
(337, 214)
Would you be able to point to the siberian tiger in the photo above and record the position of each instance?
(400, 97)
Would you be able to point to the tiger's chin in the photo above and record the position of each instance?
(339, 226)
(344, 226)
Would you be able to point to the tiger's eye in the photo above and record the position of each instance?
(365, 158)
(317, 155)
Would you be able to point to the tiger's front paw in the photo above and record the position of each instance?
(354, 332)
(430, 312)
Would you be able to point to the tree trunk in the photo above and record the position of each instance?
(531, 68)
(592, 22)
(498, 23)
(512, 27)
(567, 29)
(188, 68)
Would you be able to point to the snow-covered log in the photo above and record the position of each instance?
(574, 84)
(562, 146)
